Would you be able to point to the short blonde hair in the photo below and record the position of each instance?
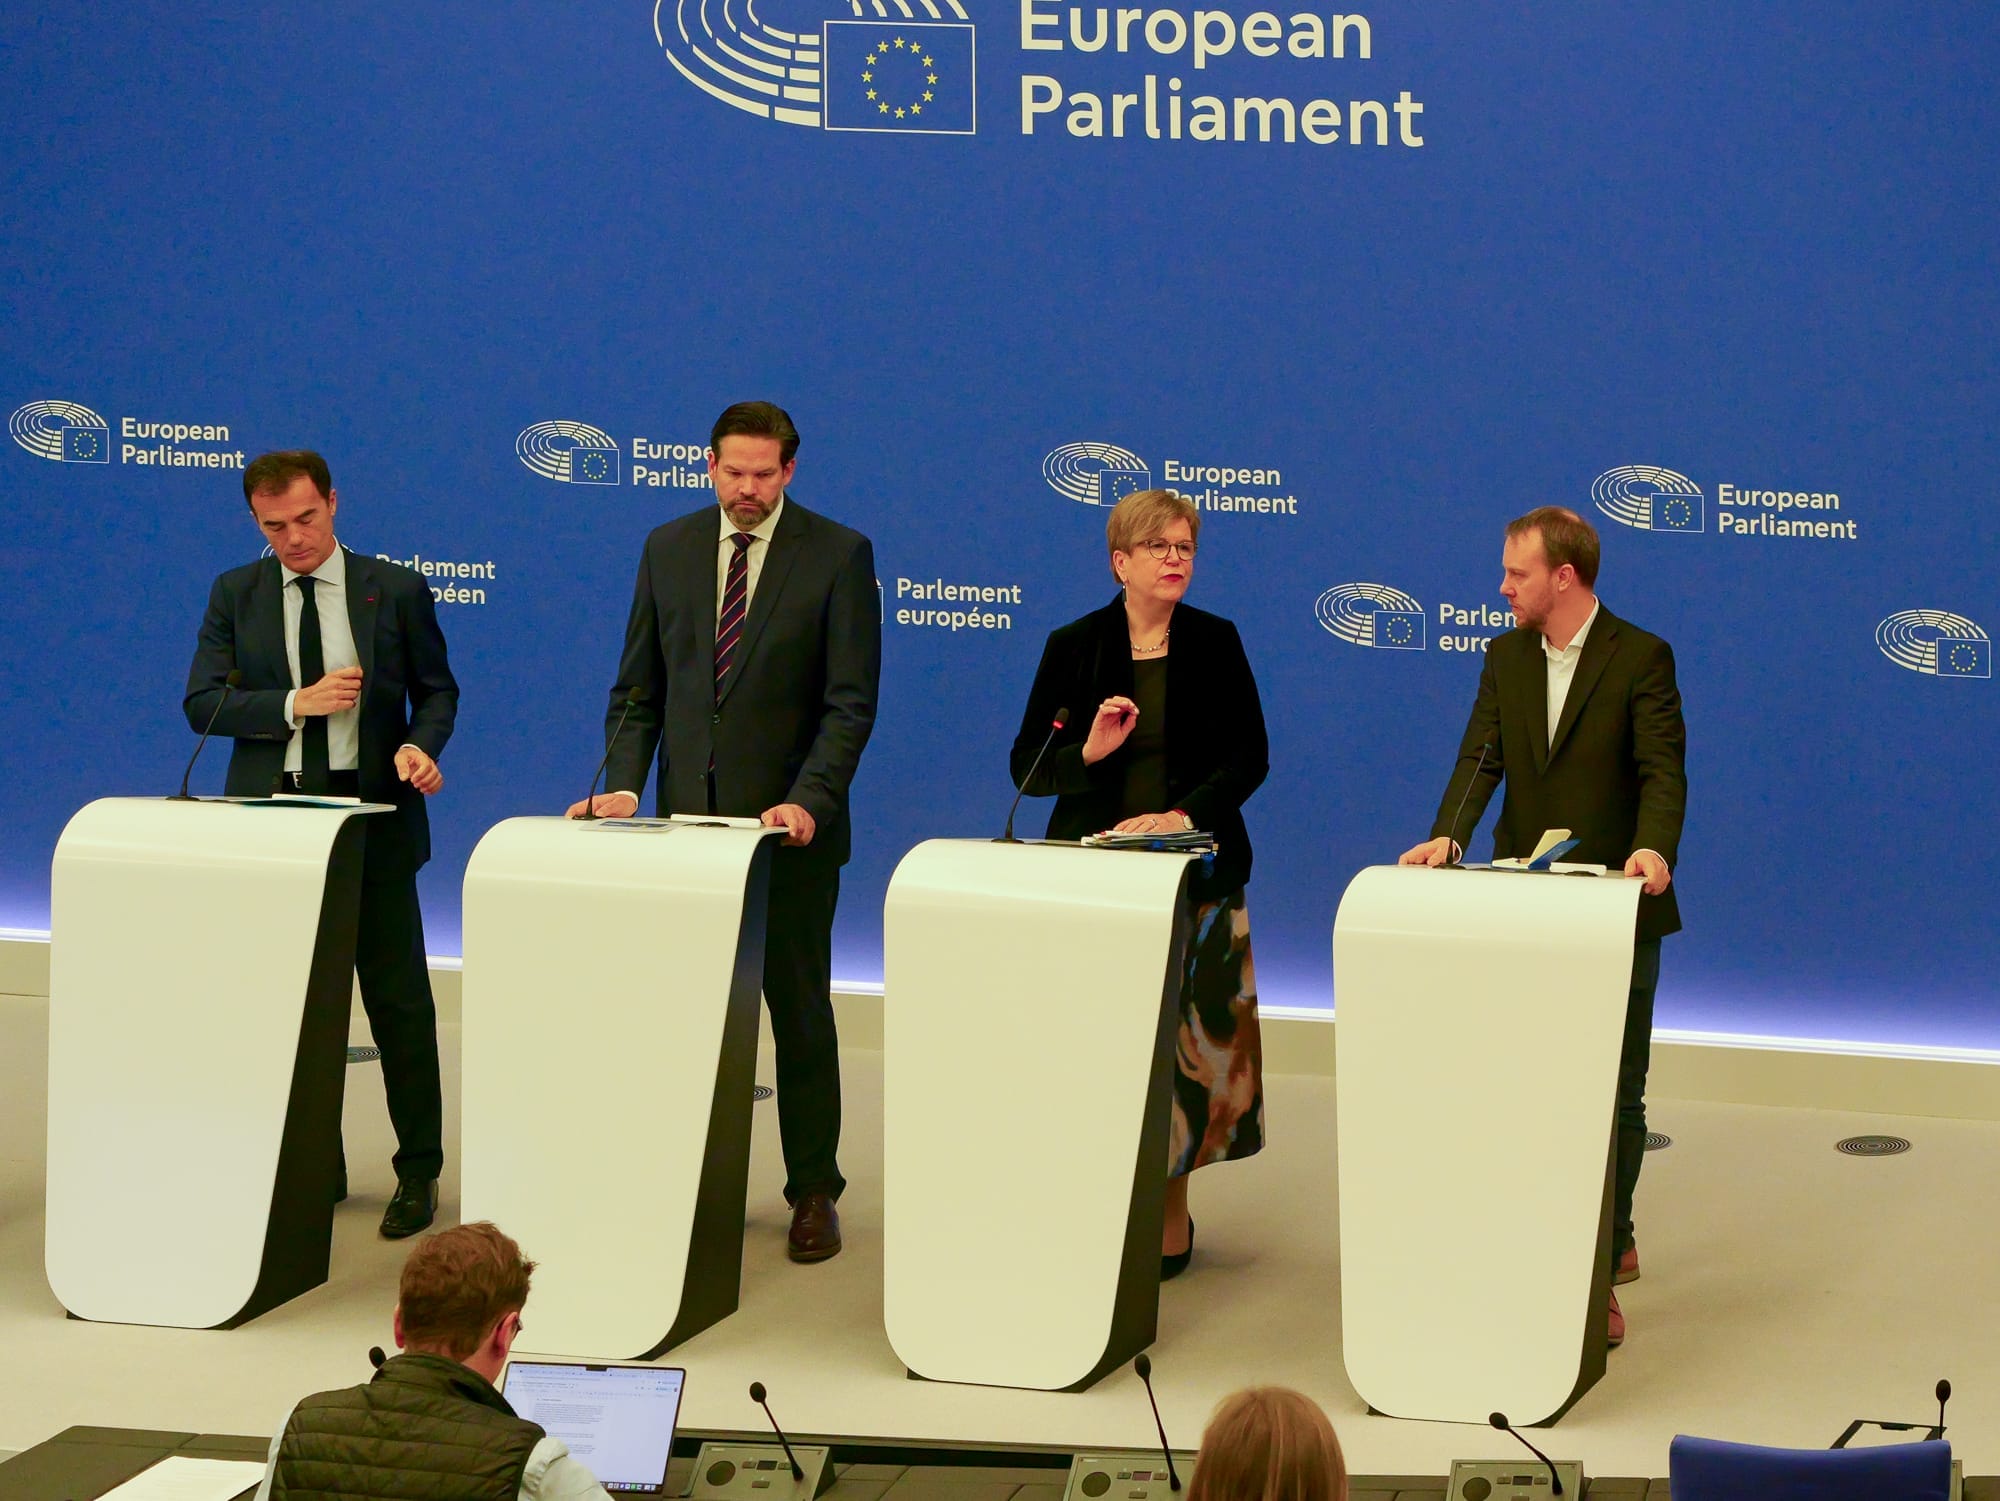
(1269, 1443)
(1145, 514)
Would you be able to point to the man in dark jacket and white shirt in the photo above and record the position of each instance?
(431, 1423)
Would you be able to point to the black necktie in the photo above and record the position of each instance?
(313, 760)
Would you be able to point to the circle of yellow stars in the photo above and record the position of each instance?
(884, 50)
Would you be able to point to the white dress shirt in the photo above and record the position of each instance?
(1562, 667)
(336, 641)
(753, 559)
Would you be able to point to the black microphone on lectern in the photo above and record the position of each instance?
(229, 684)
(1144, 1366)
(1943, 1396)
(376, 1358)
(590, 813)
(1452, 832)
(757, 1396)
(1061, 719)
(1499, 1420)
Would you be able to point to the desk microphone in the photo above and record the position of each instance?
(1499, 1420)
(1452, 832)
(376, 1358)
(1144, 1366)
(1943, 1396)
(228, 685)
(1061, 719)
(757, 1396)
(590, 813)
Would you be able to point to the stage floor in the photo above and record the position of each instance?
(1787, 1289)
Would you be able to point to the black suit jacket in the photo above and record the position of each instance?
(799, 703)
(408, 695)
(1616, 772)
(1217, 751)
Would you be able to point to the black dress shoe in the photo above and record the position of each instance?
(1172, 1266)
(412, 1209)
(815, 1232)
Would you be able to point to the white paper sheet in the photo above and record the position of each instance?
(178, 1478)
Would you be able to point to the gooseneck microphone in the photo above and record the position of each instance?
(1144, 1366)
(1943, 1396)
(376, 1358)
(1459, 812)
(1499, 1420)
(1061, 719)
(229, 685)
(757, 1396)
(590, 813)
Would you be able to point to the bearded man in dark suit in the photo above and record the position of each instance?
(345, 691)
(752, 658)
(1579, 713)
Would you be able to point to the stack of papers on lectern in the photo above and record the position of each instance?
(1192, 842)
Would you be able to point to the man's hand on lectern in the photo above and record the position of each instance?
(1652, 868)
(606, 805)
(794, 820)
(1438, 851)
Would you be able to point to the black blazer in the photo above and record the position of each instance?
(1217, 751)
(408, 695)
(1616, 773)
(799, 703)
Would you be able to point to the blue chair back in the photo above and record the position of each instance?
(1706, 1469)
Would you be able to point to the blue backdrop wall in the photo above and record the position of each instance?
(1365, 283)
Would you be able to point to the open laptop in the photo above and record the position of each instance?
(618, 1420)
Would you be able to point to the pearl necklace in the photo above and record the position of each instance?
(1147, 651)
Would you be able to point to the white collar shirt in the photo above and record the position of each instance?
(337, 649)
(1562, 667)
(754, 555)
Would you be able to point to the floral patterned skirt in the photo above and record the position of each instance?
(1218, 1083)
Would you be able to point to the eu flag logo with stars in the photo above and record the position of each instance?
(1399, 630)
(592, 464)
(900, 76)
(86, 445)
(1677, 513)
(1958, 657)
(1115, 483)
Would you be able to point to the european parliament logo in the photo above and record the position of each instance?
(882, 68)
(1936, 643)
(1650, 498)
(1372, 615)
(1095, 474)
(62, 431)
(573, 452)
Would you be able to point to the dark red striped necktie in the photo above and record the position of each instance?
(735, 605)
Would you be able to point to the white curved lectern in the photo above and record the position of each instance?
(199, 981)
(1480, 1018)
(1031, 1001)
(612, 975)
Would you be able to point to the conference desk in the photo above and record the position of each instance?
(80, 1464)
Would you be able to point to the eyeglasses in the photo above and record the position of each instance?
(1159, 547)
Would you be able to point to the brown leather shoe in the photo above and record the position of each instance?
(815, 1229)
(1614, 1334)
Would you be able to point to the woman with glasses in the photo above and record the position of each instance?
(1167, 736)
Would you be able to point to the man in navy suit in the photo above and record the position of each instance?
(751, 663)
(1580, 713)
(345, 691)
